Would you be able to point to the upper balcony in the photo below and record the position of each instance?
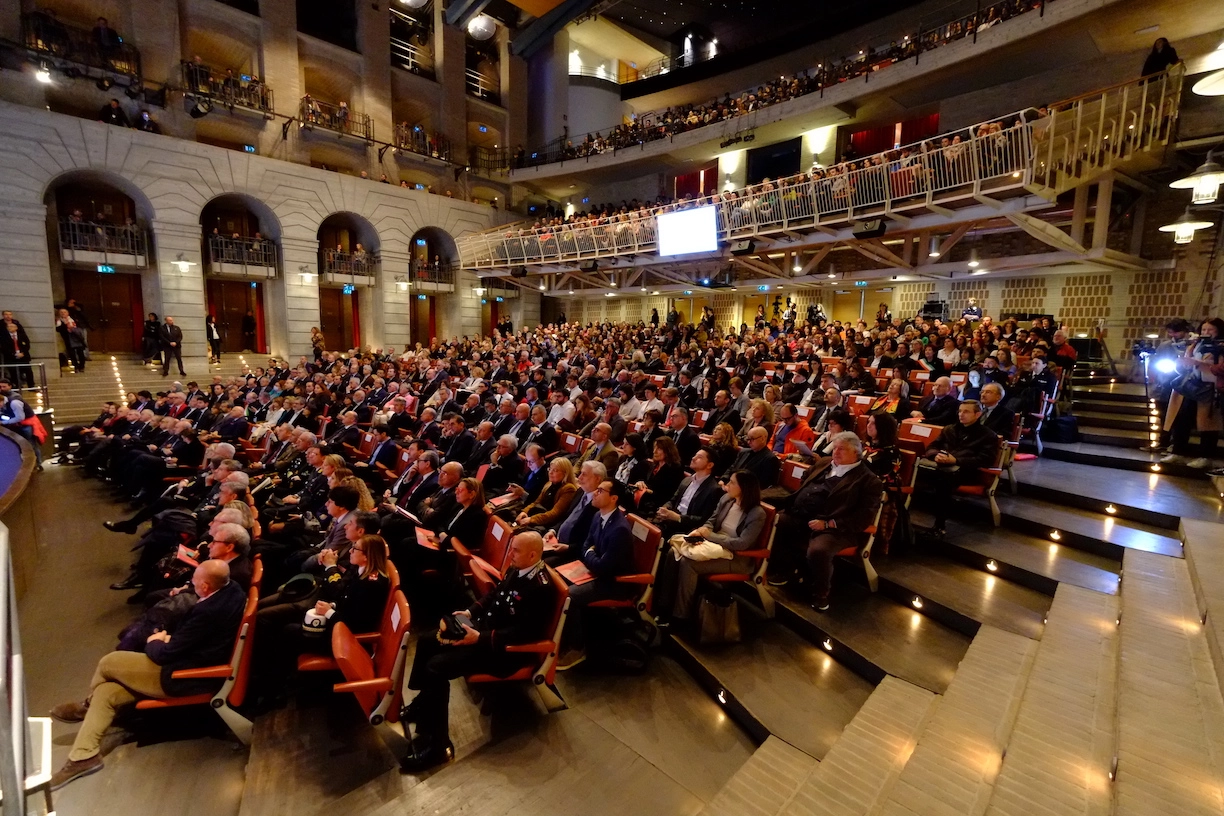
(356, 268)
(99, 48)
(483, 87)
(412, 58)
(102, 245)
(337, 118)
(228, 89)
(433, 277)
(415, 139)
(242, 257)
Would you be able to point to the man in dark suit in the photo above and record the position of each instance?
(606, 553)
(346, 432)
(834, 505)
(205, 637)
(505, 466)
(758, 459)
(430, 430)
(232, 428)
(15, 349)
(694, 500)
(542, 432)
(482, 453)
(384, 453)
(940, 407)
(172, 346)
(687, 440)
(611, 415)
(954, 458)
(995, 415)
(462, 442)
(723, 411)
(520, 425)
(399, 419)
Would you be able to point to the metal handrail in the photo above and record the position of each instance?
(415, 139)
(489, 161)
(339, 118)
(1043, 154)
(243, 90)
(430, 272)
(242, 251)
(483, 87)
(411, 57)
(647, 127)
(124, 245)
(43, 33)
(598, 72)
(336, 262)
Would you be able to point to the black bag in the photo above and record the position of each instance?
(1192, 387)
(1060, 429)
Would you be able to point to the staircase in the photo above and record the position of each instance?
(78, 398)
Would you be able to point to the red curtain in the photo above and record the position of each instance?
(873, 140)
(915, 130)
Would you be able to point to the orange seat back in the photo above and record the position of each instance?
(793, 474)
(243, 675)
(354, 663)
(496, 545)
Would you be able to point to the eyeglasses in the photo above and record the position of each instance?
(356, 549)
(602, 490)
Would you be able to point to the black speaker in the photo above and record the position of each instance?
(746, 247)
(873, 228)
(518, 272)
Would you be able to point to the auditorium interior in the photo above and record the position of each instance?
(455, 346)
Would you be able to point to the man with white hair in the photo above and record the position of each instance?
(940, 407)
(829, 512)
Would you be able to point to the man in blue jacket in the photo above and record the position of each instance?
(205, 637)
(606, 553)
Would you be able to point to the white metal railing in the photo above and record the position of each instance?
(21, 769)
(483, 87)
(107, 244)
(259, 253)
(1039, 153)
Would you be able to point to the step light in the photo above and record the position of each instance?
(916, 602)
(827, 644)
(992, 565)
(722, 696)
(1155, 467)
(1055, 535)
(1110, 509)
(1113, 769)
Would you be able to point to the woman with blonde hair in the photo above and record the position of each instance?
(365, 500)
(554, 501)
(760, 415)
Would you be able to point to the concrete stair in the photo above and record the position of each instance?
(766, 782)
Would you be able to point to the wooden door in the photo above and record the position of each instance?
(228, 303)
(338, 318)
(422, 319)
(113, 306)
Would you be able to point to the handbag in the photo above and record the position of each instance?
(718, 619)
(1191, 386)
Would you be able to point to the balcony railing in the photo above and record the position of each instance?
(242, 91)
(436, 273)
(254, 257)
(105, 50)
(411, 58)
(415, 139)
(664, 124)
(488, 161)
(1022, 153)
(351, 264)
(103, 244)
(338, 118)
(483, 87)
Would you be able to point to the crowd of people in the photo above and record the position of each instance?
(272, 465)
(657, 125)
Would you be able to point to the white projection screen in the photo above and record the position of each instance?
(688, 231)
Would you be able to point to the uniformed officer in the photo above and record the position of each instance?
(517, 610)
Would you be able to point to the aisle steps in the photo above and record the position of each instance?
(1204, 550)
(1059, 757)
(765, 783)
(866, 761)
(1170, 712)
(954, 765)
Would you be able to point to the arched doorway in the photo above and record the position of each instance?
(432, 258)
(349, 268)
(100, 246)
(240, 246)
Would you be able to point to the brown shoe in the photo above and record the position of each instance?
(70, 712)
(74, 769)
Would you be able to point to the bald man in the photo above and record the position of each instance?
(204, 638)
(474, 640)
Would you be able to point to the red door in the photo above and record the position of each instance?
(113, 306)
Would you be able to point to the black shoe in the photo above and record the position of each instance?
(410, 713)
(820, 606)
(131, 582)
(119, 527)
(425, 753)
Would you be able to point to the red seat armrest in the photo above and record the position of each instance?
(643, 579)
(368, 637)
(753, 553)
(539, 647)
(204, 673)
(870, 530)
(375, 684)
(992, 471)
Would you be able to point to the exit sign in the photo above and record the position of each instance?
(861, 284)
(106, 268)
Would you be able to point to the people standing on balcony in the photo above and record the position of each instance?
(112, 114)
(342, 117)
(361, 261)
(105, 37)
(1162, 57)
(145, 122)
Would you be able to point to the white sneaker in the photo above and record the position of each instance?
(1172, 459)
(1199, 463)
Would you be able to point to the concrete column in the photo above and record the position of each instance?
(180, 294)
(548, 84)
(459, 312)
(374, 42)
(292, 307)
(280, 71)
(513, 93)
(1079, 214)
(155, 31)
(450, 56)
(27, 280)
(393, 306)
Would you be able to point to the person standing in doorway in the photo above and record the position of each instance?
(248, 332)
(213, 333)
(150, 339)
(172, 346)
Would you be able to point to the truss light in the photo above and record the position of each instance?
(1204, 182)
(542, 287)
(916, 602)
(1210, 85)
(1183, 228)
(974, 263)
(933, 247)
(797, 268)
(571, 291)
(827, 643)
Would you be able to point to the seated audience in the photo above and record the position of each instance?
(954, 458)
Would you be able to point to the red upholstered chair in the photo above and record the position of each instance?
(318, 662)
(988, 483)
(236, 675)
(1012, 443)
(542, 670)
(792, 475)
(760, 556)
(862, 555)
(492, 552)
(376, 680)
(917, 436)
(647, 549)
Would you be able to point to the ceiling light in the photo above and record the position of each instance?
(992, 565)
(1183, 229)
(482, 27)
(43, 74)
(1205, 182)
(1211, 85)
(933, 251)
(542, 287)
(974, 263)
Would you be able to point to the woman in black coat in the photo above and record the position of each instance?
(665, 476)
(150, 345)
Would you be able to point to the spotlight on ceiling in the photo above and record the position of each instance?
(482, 27)
(43, 74)
(105, 83)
